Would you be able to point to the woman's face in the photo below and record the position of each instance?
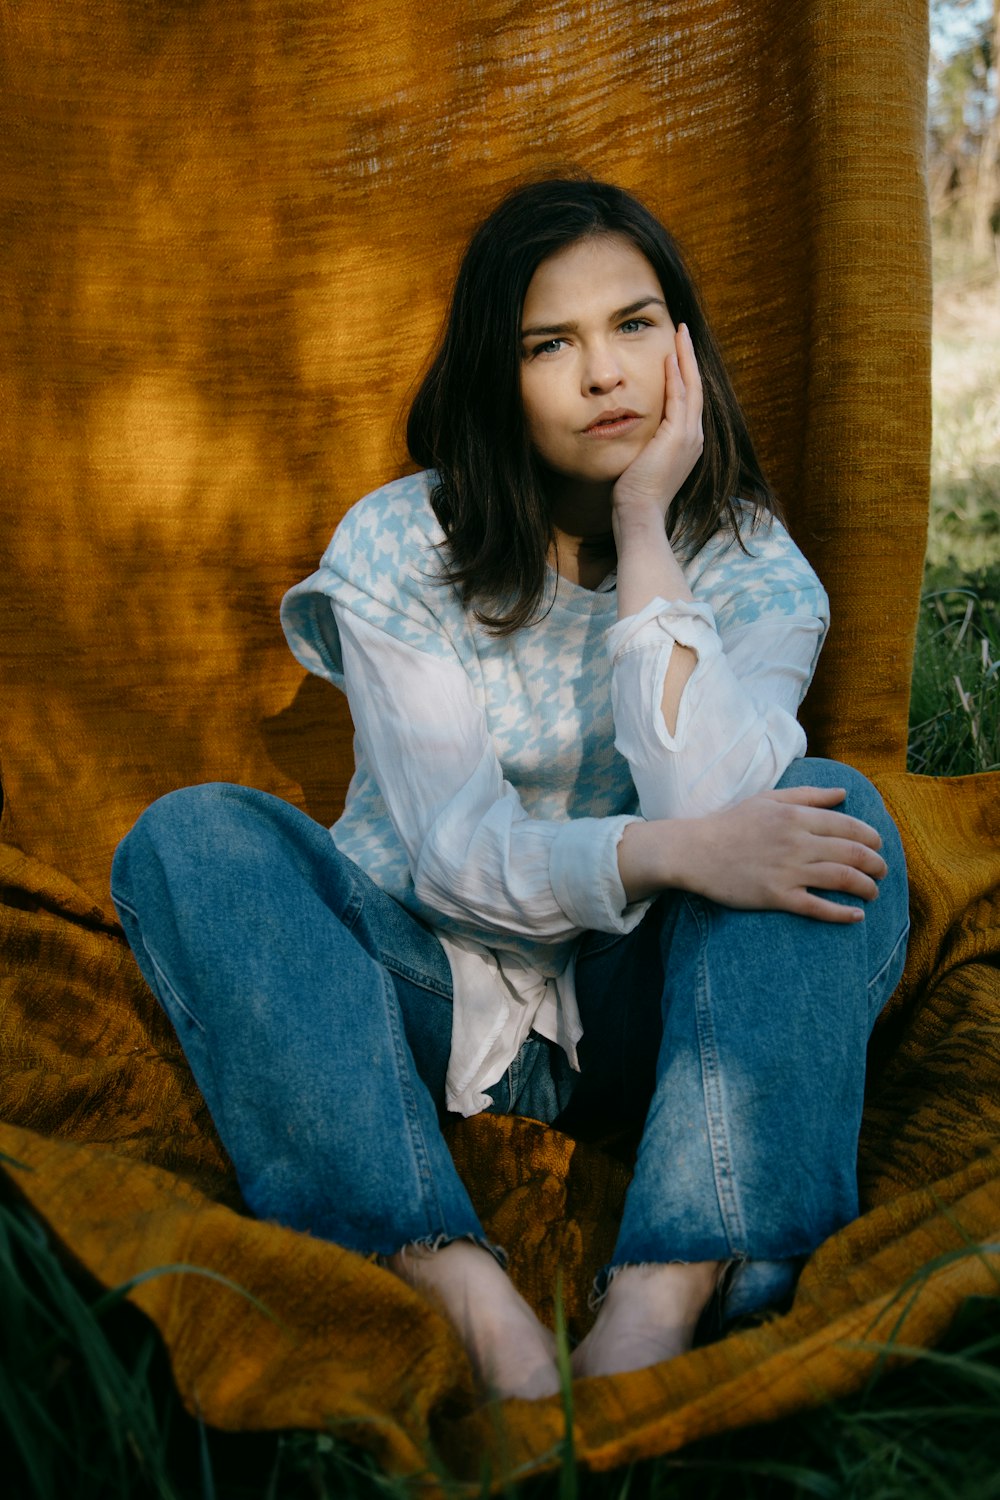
(595, 332)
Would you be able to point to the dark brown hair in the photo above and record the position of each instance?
(467, 419)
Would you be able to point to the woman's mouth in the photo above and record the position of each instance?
(612, 424)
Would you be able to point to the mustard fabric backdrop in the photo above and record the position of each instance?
(228, 233)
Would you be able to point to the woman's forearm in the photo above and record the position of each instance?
(648, 569)
(777, 850)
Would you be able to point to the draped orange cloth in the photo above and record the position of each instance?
(228, 236)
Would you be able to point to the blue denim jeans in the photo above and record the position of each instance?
(315, 1013)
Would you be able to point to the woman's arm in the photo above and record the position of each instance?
(477, 857)
(474, 853)
(771, 852)
(647, 567)
(774, 848)
(736, 730)
(703, 726)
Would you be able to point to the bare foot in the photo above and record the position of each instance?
(649, 1314)
(511, 1352)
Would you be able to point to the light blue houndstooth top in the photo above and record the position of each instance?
(494, 776)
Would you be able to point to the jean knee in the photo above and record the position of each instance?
(188, 807)
(862, 800)
(179, 816)
(816, 770)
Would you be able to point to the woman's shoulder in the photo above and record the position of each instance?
(383, 566)
(388, 524)
(756, 572)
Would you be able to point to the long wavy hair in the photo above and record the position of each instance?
(467, 419)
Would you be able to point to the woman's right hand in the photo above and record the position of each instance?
(656, 474)
(773, 851)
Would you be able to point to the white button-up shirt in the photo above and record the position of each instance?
(496, 775)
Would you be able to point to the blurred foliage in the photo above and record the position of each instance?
(964, 129)
(964, 531)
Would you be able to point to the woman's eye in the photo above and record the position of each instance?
(633, 325)
(551, 346)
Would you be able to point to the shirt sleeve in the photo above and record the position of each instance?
(736, 731)
(474, 853)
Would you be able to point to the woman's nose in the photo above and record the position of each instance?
(601, 371)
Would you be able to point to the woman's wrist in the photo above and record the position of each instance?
(647, 567)
(639, 518)
(651, 857)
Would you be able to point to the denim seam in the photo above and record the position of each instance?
(416, 976)
(880, 974)
(156, 968)
(513, 1080)
(418, 1145)
(718, 1135)
(353, 907)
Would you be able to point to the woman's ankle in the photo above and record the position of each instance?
(649, 1314)
(511, 1352)
(670, 1288)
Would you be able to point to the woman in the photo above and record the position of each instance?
(583, 872)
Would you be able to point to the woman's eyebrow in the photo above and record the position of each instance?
(616, 317)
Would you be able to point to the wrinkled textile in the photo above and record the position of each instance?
(227, 237)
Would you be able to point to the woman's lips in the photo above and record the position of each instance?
(615, 424)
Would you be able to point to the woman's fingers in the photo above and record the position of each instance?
(786, 850)
(842, 853)
(657, 473)
(848, 880)
(853, 853)
(823, 821)
(842, 827)
(808, 904)
(687, 365)
(683, 396)
(674, 389)
(809, 796)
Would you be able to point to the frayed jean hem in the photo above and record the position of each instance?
(429, 1245)
(743, 1288)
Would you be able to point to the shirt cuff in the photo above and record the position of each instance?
(688, 623)
(583, 870)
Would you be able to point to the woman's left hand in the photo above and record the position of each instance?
(672, 452)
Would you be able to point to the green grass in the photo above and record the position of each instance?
(88, 1411)
(955, 701)
(955, 707)
(71, 1400)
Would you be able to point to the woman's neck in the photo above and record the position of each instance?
(582, 548)
(586, 561)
